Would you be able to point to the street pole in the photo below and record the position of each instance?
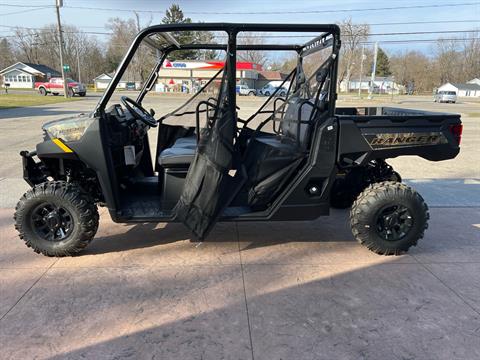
(374, 70)
(59, 4)
(78, 66)
(361, 72)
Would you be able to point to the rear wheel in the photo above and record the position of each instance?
(389, 218)
(251, 93)
(267, 93)
(42, 91)
(56, 219)
(70, 93)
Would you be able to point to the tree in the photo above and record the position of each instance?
(41, 47)
(254, 56)
(205, 37)
(414, 70)
(25, 43)
(383, 64)
(174, 15)
(7, 57)
(352, 37)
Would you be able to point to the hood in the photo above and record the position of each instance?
(71, 128)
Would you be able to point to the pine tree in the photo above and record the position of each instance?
(174, 15)
(383, 64)
(6, 54)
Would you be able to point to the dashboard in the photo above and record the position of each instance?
(127, 136)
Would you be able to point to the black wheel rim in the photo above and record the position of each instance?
(52, 222)
(394, 222)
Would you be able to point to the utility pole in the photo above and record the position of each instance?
(78, 66)
(361, 72)
(374, 70)
(59, 4)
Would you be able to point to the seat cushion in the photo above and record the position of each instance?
(190, 141)
(181, 153)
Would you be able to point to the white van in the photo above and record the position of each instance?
(445, 97)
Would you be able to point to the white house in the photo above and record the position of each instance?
(381, 85)
(464, 90)
(24, 75)
(101, 82)
(474, 81)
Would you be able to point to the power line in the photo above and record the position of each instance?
(26, 6)
(277, 36)
(279, 12)
(424, 22)
(28, 10)
(371, 24)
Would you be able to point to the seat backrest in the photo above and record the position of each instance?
(289, 124)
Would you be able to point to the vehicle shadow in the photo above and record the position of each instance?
(114, 238)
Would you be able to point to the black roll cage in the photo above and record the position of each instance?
(162, 32)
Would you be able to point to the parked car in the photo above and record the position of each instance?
(245, 90)
(130, 86)
(445, 97)
(55, 86)
(269, 89)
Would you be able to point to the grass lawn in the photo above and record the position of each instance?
(8, 101)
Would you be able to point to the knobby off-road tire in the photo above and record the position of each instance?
(60, 206)
(389, 218)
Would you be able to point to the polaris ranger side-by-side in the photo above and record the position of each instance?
(292, 159)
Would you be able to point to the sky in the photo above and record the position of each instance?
(30, 14)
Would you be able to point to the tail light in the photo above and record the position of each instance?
(456, 131)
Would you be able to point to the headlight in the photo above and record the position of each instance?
(71, 129)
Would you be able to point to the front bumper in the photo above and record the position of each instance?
(33, 172)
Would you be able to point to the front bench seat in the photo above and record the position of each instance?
(181, 154)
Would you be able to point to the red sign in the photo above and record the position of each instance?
(209, 65)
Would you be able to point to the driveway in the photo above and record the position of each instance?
(280, 290)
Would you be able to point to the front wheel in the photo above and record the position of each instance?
(42, 91)
(56, 218)
(389, 218)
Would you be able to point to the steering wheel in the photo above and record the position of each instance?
(138, 112)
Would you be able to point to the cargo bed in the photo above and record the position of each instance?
(367, 133)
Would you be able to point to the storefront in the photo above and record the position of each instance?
(188, 76)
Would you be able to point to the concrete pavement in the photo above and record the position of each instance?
(280, 290)
(264, 290)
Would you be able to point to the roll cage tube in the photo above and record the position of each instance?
(152, 77)
(232, 30)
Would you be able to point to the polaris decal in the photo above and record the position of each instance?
(386, 140)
